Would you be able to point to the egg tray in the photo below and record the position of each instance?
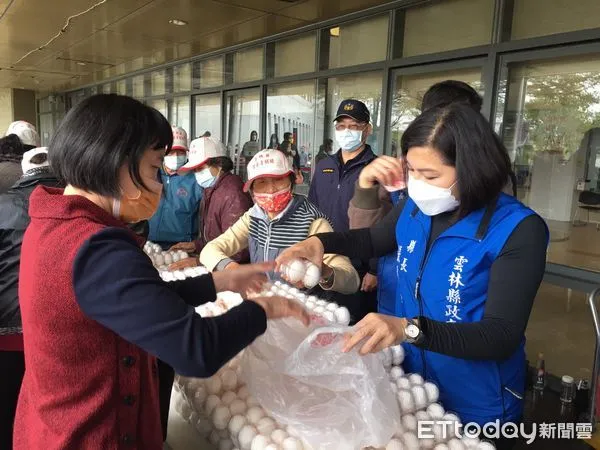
(161, 260)
(222, 410)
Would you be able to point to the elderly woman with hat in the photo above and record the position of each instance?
(224, 200)
(176, 219)
(278, 220)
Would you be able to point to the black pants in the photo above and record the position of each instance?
(166, 375)
(12, 365)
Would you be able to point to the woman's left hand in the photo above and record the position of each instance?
(377, 331)
(183, 263)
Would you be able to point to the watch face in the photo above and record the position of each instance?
(412, 331)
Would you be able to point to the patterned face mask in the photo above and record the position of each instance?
(274, 203)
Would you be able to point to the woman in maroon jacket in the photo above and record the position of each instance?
(95, 312)
(224, 200)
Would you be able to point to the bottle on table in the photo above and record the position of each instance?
(539, 383)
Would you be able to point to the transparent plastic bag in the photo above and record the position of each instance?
(334, 400)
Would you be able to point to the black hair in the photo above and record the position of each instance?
(447, 92)
(466, 141)
(224, 162)
(253, 132)
(102, 133)
(12, 148)
(287, 135)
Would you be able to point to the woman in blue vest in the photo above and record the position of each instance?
(469, 260)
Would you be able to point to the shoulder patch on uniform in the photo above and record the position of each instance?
(328, 170)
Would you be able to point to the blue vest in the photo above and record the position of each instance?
(176, 219)
(449, 284)
(387, 279)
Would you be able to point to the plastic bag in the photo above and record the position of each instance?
(334, 400)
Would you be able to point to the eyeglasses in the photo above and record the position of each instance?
(352, 127)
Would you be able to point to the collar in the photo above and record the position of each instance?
(35, 176)
(258, 213)
(363, 158)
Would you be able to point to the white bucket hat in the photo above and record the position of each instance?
(268, 163)
(201, 150)
(25, 131)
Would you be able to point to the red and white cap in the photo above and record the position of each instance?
(201, 150)
(27, 165)
(180, 139)
(25, 131)
(268, 163)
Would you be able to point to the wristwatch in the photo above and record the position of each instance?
(413, 333)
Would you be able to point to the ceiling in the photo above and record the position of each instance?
(108, 38)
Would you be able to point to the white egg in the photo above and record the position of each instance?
(440, 447)
(225, 444)
(422, 416)
(278, 436)
(251, 402)
(212, 401)
(409, 422)
(156, 248)
(228, 397)
(312, 276)
(416, 379)
(393, 387)
(204, 426)
(310, 305)
(427, 443)
(294, 291)
(441, 432)
(455, 444)
(403, 383)
(397, 354)
(406, 402)
(254, 414)
(199, 398)
(329, 316)
(272, 447)
(452, 417)
(295, 270)
(342, 315)
(419, 396)
(243, 393)
(168, 277)
(229, 379)
(292, 443)
(259, 442)
(387, 357)
(182, 254)
(220, 417)
(175, 257)
(238, 407)
(302, 297)
(436, 411)
(322, 303)
(214, 385)
(236, 423)
(292, 431)
(433, 392)
(214, 437)
(186, 411)
(319, 310)
(470, 442)
(189, 272)
(485, 446)
(396, 372)
(266, 426)
(332, 307)
(168, 258)
(247, 434)
(270, 294)
(411, 442)
(394, 444)
(193, 418)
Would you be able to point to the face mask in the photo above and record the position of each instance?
(349, 140)
(132, 210)
(274, 203)
(205, 179)
(174, 162)
(431, 200)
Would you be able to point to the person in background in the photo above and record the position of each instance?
(325, 149)
(471, 259)
(176, 219)
(273, 142)
(333, 184)
(94, 328)
(251, 148)
(293, 149)
(223, 203)
(20, 137)
(303, 158)
(371, 202)
(278, 220)
(206, 134)
(14, 219)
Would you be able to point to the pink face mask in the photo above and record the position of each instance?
(274, 203)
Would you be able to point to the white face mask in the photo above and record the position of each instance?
(205, 178)
(431, 200)
(349, 140)
(174, 162)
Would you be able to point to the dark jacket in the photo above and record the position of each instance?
(14, 219)
(222, 206)
(10, 172)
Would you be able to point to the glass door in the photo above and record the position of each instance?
(242, 118)
(207, 115)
